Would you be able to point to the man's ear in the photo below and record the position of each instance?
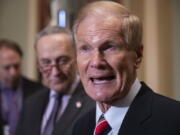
(139, 56)
(38, 66)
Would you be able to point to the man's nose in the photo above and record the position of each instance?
(98, 60)
(55, 69)
(13, 71)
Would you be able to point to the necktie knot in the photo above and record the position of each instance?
(102, 127)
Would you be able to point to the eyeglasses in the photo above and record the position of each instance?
(46, 65)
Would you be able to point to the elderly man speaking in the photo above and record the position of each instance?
(109, 51)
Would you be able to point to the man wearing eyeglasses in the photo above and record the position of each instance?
(64, 100)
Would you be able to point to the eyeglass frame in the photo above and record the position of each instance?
(46, 65)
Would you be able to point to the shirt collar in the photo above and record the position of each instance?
(121, 108)
(127, 100)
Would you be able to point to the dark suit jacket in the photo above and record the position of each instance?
(1, 126)
(30, 123)
(28, 87)
(149, 114)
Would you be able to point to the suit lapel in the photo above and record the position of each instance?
(39, 109)
(27, 88)
(86, 125)
(75, 105)
(138, 114)
(90, 125)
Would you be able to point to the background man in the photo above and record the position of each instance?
(14, 87)
(109, 51)
(56, 60)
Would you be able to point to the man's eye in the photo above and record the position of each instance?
(84, 48)
(7, 67)
(108, 47)
(45, 62)
(63, 60)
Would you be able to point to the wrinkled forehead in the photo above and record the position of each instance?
(102, 20)
(102, 9)
(95, 26)
(102, 23)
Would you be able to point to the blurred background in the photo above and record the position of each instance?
(20, 20)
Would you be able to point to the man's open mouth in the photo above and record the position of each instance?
(102, 80)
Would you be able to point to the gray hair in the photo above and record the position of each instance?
(131, 27)
(50, 30)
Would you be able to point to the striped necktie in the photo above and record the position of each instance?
(102, 127)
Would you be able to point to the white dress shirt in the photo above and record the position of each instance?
(116, 114)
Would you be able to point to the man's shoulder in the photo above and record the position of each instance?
(159, 99)
(156, 113)
(38, 96)
(30, 83)
(160, 107)
(166, 105)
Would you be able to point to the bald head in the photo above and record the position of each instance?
(130, 27)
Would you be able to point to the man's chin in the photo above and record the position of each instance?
(57, 88)
(99, 98)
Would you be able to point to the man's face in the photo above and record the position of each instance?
(10, 71)
(107, 67)
(56, 61)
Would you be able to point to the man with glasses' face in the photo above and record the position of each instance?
(56, 62)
